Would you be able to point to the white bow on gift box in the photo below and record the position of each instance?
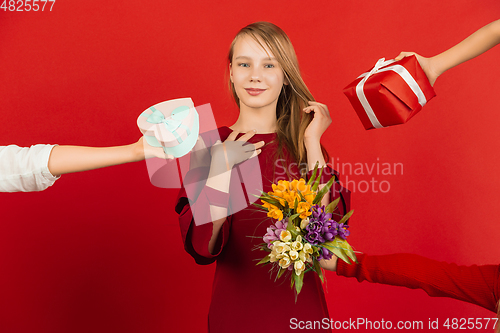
(379, 68)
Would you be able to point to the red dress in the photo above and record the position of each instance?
(474, 284)
(246, 297)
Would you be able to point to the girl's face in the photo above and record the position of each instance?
(256, 74)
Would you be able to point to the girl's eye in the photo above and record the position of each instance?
(269, 66)
(244, 65)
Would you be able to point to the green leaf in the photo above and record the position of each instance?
(346, 217)
(340, 253)
(280, 273)
(317, 269)
(332, 205)
(261, 194)
(313, 176)
(318, 179)
(323, 191)
(274, 202)
(260, 206)
(299, 279)
(352, 256)
(341, 248)
(301, 198)
(296, 204)
(291, 227)
(264, 260)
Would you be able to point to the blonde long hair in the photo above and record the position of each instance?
(291, 120)
(497, 329)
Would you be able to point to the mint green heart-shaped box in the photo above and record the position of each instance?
(172, 125)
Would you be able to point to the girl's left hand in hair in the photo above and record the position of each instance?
(319, 124)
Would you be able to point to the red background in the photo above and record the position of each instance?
(101, 251)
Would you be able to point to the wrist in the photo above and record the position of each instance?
(136, 151)
(312, 141)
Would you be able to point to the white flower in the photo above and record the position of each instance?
(284, 262)
(297, 245)
(294, 255)
(302, 256)
(299, 266)
(280, 247)
(304, 223)
(308, 248)
(285, 235)
(281, 255)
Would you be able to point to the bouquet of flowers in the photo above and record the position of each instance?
(305, 232)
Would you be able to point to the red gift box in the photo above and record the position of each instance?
(390, 93)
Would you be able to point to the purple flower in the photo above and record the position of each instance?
(314, 226)
(329, 236)
(274, 232)
(343, 232)
(312, 237)
(321, 227)
(324, 253)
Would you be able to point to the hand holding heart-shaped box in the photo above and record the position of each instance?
(173, 125)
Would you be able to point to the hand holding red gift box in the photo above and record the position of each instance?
(390, 93)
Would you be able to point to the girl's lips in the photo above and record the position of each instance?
(254, 91)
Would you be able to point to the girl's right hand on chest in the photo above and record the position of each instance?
(232, 151)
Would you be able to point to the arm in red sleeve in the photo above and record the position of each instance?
(474, 284)
(193, 206)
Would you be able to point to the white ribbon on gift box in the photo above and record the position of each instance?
(403, 72)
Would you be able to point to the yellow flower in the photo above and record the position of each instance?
(299, 266)
(290, 198)
(273, 211)
(285, 235)
(282, 187)
(277, 196)
(309, 196)
(268, 205)
(276, 214)
(285, 184)
(299, 185)
(304, 209)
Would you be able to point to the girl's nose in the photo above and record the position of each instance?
(255, 75)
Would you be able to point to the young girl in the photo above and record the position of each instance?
(283, 126)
